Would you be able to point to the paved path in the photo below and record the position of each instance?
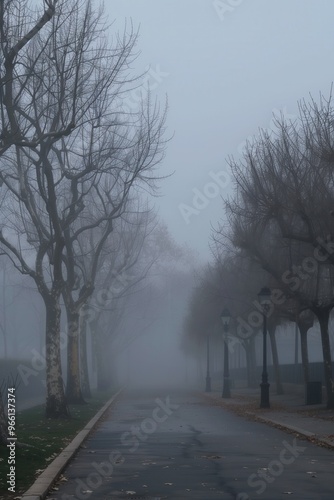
(177, 446)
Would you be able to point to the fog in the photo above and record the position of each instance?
(226, 70)
(225, 76)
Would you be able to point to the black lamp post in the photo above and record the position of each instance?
(225, 318)
(208, 378)
(264, 299)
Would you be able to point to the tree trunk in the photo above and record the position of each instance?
(200, 373)
(303, 329)
(277, 371)
(323, 317)
(250, 362)
(73, 385)
(103, 367)
(85, 385)
(102, 357)
(56, 405)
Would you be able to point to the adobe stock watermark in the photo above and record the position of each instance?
(264, 476)
(130, 439)
(202, 197)
(223, 7)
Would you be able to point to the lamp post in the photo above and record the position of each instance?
(264, 299)
(225, 318)
(208, 378)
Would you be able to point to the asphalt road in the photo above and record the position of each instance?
(168, 445)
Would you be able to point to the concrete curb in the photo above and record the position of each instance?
(291, 428)
(43, 483)
(282, 425)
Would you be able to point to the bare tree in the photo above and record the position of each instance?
(284, 197)
(107, 248)
(125, 270)
(77, 78)
(20, 27)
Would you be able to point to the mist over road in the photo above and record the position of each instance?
(174, 445)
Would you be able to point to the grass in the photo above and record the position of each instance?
(47, 438)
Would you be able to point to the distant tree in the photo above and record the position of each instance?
(103, 257)
(132, 263)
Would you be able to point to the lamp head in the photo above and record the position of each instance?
(265, 298)
(225, 317)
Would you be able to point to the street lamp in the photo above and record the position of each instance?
(225, 318)
(208, 378)
(264, 299)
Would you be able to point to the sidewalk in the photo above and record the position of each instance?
(287, 411)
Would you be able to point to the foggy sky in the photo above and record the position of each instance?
(224, 75)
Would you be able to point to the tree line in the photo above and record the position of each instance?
(76, 167)
(277, 230)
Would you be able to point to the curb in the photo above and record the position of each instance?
(285, 426)
(43, 483)
(282, 425)
(291, 428)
